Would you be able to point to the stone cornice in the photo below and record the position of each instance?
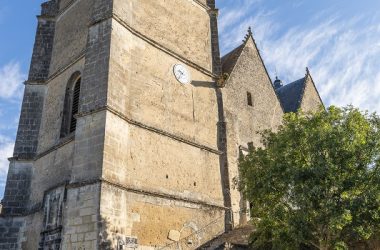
(62, 142)
(68, 6)
(207, 8)
(152, 129)
(59, 71)
(162, 195)
(136, 33)
(207, 204)
(45, 18)
(71, 137)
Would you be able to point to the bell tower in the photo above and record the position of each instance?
(161, 167)
(118, 142)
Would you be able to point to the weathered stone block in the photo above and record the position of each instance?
(174, 235)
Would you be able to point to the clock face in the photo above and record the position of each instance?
(182, 74)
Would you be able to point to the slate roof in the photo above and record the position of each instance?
(291, 95)
(230, 59)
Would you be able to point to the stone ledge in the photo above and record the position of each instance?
(147, 192)
(152, 129)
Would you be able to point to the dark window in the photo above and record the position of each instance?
(249, 99)
(71, 105)
(75, 106)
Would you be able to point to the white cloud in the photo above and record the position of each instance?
(343, 57)
(6, 150)
(297, 4)
(233, 33)
(343, 54)
(230, 16)
(237, 16)
(11, 78)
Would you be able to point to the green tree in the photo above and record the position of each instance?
(315, 183)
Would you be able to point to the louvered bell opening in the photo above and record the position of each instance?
(75, 106)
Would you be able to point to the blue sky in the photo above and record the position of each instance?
(338, 40)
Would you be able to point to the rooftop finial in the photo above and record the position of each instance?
(248, 35)
(277, 83)
(307, 71)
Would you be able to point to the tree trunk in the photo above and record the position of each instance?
(323, 245)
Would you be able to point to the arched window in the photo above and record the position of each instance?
(75, 105)
(71, 105)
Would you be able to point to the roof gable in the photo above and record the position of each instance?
(311, 99)
(300, 94)
(231, 59)
(291, 95)
(250, 102)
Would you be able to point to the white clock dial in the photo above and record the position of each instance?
(182, 74)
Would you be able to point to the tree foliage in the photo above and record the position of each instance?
(315, 183)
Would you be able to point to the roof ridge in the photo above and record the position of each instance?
(248, 35)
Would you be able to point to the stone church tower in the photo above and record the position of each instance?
(129, 138)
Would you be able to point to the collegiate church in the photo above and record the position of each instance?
(132, 126)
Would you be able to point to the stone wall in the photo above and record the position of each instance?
(68, 218)
(42, 52)
(11, 233)
(89, 135)
(31, 232)
(89, 148)
(243, 120)
(182, 26)
(51, 170)
(81, 217)
(142, 87)
(161, 159)
(51, 121)
(146, 160)
(65, 3)
(50, 8)
(155, 221)
(216, 60)
(96, 70)
(17, 188)
(43, 45)
(311, 100)
(30, 121)
(70, 37)
(51, 158)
